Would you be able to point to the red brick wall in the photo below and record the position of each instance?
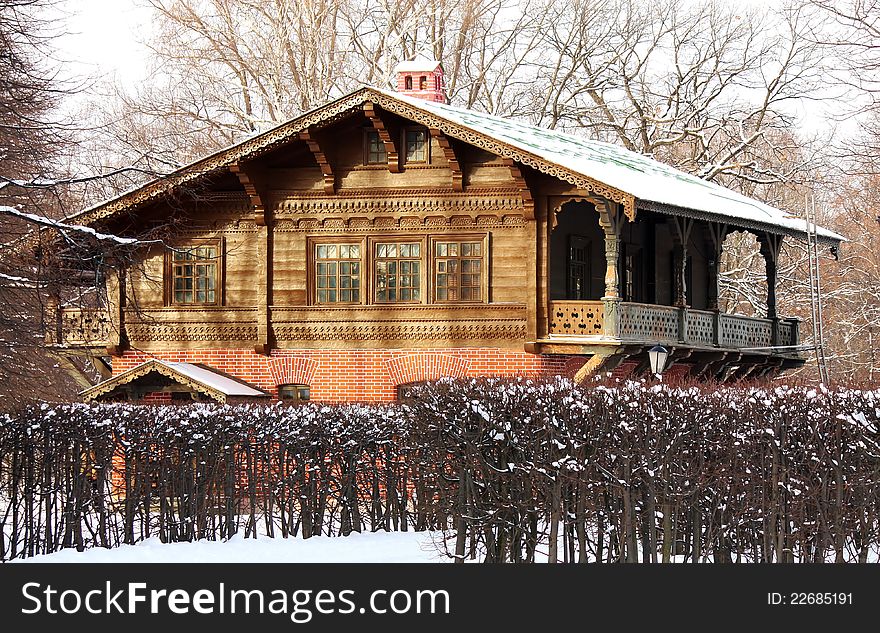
(357, 375)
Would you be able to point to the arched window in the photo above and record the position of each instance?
(407, 83)
(294, 393)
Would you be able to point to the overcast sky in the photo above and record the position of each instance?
(105, 37)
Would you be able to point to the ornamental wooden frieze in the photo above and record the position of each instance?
(484, 330)
(410, 223)
(432, 202)
(160, 332)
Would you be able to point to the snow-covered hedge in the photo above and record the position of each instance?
(507, 466)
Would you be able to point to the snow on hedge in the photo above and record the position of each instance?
(509, 469)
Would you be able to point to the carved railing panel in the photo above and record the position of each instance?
(787, 333)
(741, 331)
(84, 327)
(700, 327)
(644, 322)
(577, 318)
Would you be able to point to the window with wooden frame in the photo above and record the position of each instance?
(459, 270)
(374, 148)
(194, 274)
(398, 270)
(294, 393)
(337, 273)
(415, 145)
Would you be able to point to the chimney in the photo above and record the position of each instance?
(423, 79)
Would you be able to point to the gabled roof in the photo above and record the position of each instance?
(626, 177)
(200, 378)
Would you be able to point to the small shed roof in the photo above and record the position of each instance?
(199, 377)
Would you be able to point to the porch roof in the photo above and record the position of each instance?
(201, 378)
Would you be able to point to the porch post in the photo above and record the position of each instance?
(714, 247)
(610, 221)
(770, 245)
(680, 237)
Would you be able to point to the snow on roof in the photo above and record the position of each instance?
(214, 380)
(417, 65)
(201, 377)
(647, 179)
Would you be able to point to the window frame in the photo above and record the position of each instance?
(368, 131)
(403, 145)
(219, 272)
(312, 273)
(423, 260)
(483, 240)
(299, 387)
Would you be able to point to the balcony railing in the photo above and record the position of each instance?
(81, 327)
(640, 322)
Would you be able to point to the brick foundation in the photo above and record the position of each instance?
(359, 375)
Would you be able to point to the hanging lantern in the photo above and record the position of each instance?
(657, 356)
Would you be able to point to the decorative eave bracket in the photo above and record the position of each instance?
(251, 190)
(452, 159)
(321, 159)
(524, 191)
(390, 147)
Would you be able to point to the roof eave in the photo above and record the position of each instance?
(753, 225)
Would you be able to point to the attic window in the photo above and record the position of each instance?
(194, 274)
(416, 145)
(374, 148)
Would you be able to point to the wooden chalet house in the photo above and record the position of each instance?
(387, 238)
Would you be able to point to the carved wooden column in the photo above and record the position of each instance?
(610, 220)
(680, 237)
(770, 246)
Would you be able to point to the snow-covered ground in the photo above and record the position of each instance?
(378, 547)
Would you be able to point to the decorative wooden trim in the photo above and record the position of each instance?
(451, 158)
(379, 125)
(321, 159)
(433, 202)
(176, 331)
(523, 187)
(465, 330)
